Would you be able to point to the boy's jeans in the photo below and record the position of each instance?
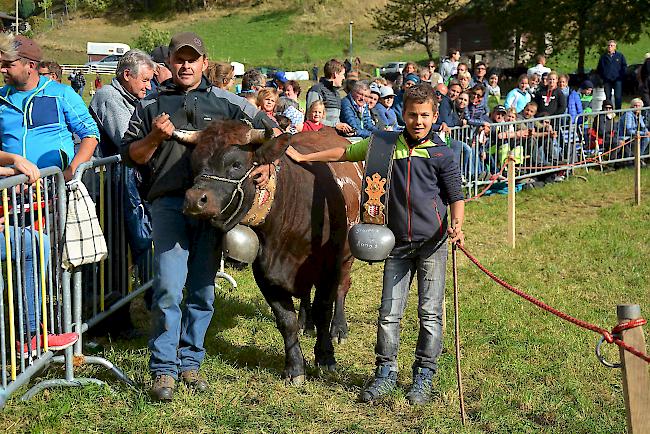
(429, 260)
(186, 254)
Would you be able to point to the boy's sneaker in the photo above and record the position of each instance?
(420, 391)
(385, 381)
(54, 343)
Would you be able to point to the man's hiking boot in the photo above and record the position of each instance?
(420, 391)
(195, 380)
(163, 388)
(385, 381)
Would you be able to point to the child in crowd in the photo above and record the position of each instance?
(315, 115)
(493, 90)
(421, 189)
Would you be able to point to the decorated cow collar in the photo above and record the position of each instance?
(262, 202)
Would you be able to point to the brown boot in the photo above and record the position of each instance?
(163, 388)
(195, 380)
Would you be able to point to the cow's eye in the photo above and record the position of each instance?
(236, 165)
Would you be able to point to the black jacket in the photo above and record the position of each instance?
(168, 172)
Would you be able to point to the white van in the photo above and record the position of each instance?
(98, 50)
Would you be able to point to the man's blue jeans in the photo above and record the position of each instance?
(186, 254)
(429, 261)
(33, 297)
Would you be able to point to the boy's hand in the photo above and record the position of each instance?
(456, 235)
(294, 155)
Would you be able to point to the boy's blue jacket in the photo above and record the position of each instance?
(425, 179)
(41, 131)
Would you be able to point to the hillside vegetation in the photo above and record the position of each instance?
(292, 35)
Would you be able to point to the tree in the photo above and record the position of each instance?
(566, 24)
(44, 5)
(150, 38)
(402, 22)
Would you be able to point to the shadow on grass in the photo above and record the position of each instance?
(273, 16)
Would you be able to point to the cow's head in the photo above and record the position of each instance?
(225, 154)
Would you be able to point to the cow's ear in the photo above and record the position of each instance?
(272, 149)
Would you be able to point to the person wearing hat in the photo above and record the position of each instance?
(386, 112)
(48, 103)
(39, 116)
(279, 78)
(580, 101)
(409, 80)
(186, 249)
(373, 101)
(160, 55)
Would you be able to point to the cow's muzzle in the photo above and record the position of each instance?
(199, 203)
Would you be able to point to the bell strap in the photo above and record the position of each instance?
(376, 182)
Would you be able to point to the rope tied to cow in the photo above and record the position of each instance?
(612, 336)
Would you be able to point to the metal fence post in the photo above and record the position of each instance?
(637, 170)
(636, 384)
(511, 200)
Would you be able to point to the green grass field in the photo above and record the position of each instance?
(582, 247)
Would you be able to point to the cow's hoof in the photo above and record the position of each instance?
(339, 334)
(298, 380)
(326, 369)
(308, 332)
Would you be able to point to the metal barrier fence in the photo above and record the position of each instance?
(547, 145)
(35, 299)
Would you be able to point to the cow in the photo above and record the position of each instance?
(303, 239)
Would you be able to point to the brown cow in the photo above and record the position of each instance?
(304, 237)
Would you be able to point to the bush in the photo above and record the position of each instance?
(150, 38)
(96, 7)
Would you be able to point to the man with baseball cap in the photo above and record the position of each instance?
(55, 112)
(186, 249)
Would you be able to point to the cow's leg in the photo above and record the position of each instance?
(322, 313)
(305, 319)
(287, 322)
(339, 327)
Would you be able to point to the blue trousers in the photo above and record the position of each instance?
(428, 260)
(28, 274)
(617, 88)
(186, 255)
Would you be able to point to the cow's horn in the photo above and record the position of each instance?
(186, 136)
(255, 136)
(268, 129)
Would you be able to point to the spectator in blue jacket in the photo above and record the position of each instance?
(631, 125)
(576, 102)
(409, 80)
(355, 112)
(611, 69)
(519, 96)
(40, 115)
(386, 111)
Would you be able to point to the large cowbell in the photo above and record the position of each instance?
(371, 240)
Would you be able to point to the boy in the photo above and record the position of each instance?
(425, 179)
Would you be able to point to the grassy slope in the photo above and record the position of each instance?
(582, 247)
(274, 35)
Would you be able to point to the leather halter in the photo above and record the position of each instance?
(262, 202)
